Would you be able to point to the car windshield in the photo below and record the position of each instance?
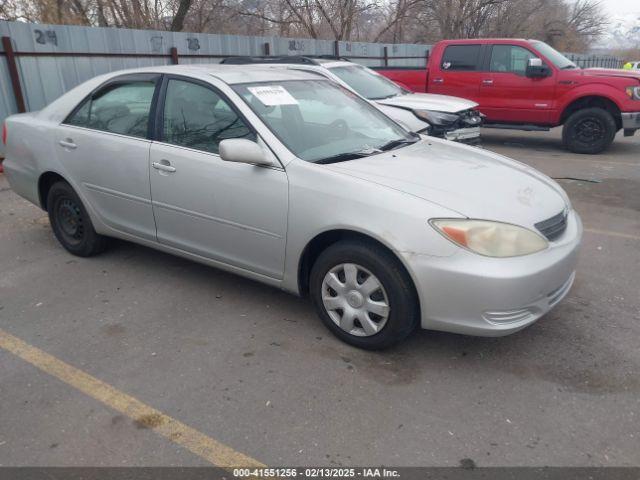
(554, 56)
(366, 82)
(320, 121)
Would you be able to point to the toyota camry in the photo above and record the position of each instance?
(292, 180)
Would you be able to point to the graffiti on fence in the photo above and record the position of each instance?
(156, 44)
(46, 36)
(193, 44)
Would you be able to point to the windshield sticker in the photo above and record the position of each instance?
(273, 95)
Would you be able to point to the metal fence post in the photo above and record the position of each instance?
(267, 49)
(174, 56)
(13, 74)
(385, 49)
(336, 48)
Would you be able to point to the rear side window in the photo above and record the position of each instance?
(461, 58)
(197, 117)
(121, 108)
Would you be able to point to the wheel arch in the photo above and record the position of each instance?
(593, 101)
(45, 182)
(325, 239)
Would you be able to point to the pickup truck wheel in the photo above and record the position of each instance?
(590, 131)
(70, 222)
(363, 295)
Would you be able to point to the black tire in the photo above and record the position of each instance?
(590, 131)
(70, 222)
(404, 311)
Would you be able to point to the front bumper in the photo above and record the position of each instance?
(469, 135)
(476, 295)
(630, 122)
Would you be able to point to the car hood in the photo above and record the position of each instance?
(609, 72)
(429, 101)
(469, 181)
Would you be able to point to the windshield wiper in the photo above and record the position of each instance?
(569, 67)
(343, 157)
(385, 97)
(398, 143)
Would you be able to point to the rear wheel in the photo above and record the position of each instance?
(363, 295)
(590, 130)
(70, 222)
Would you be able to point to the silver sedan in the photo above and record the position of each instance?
(294, 181)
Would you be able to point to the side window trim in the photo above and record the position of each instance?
(158, 132)
(122, 79)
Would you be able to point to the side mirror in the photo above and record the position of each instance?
(241, 150)
(536, 69)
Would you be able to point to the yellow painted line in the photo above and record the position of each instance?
(612, 233)
(144, 415)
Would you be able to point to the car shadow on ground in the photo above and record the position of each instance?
(557, 349)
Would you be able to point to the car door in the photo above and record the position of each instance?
(458, 73)
(103, 145)
(508, 95)
(233, 213)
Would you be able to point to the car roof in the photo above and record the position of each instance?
(328, 61)
(230, 74)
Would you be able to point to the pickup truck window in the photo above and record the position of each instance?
(461, 58)
(555, 57)
(509, 58)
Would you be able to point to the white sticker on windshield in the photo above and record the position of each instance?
(273, 95)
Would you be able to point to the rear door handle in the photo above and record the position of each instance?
(438, 80)
(163, 165)
(68, 143)
(488, 81)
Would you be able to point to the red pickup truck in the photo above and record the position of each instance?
(527, 85)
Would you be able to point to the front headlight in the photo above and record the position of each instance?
(493, 239)
(436, 118)
(633, 93)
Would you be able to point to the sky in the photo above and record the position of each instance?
(621, 7)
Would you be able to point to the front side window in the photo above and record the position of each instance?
(121, 107)
(461, 58)
(554, 56)
(197, 117)
(509, 59)
(317, 119)
(367, 83)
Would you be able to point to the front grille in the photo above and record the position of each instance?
(553, 227)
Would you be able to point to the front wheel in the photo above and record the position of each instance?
(70, 222)
(590, 130)
(363, 295)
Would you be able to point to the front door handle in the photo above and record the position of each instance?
(164, 166)
(438, 80)
(487, 82)
(68, 143)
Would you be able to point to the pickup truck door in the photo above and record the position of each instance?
(508, 95)
(459, 71)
